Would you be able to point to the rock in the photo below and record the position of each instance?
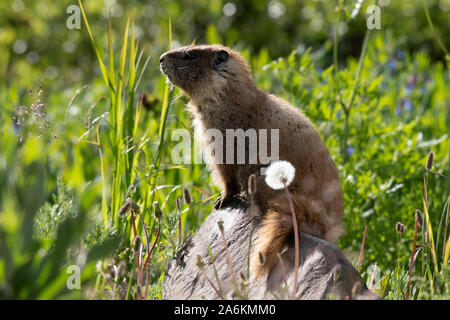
(324, 270)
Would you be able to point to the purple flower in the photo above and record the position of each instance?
(392, 63)
(401, 54)
(350, 150)
(407, 104)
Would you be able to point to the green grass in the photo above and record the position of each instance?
(379, 114)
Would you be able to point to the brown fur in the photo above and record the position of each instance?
(227, 98)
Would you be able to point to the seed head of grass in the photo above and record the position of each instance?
(430, 161)
(400, 227)
(158, 212)
(125, 208)
(419, 218)
(187, 199)
(137, 244)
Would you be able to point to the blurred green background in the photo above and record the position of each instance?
(34, 39)
(64, 174)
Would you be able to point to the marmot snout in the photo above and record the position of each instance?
(223, 95)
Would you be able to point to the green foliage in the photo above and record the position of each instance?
(50, 216)
(37, 267)
(109, 118)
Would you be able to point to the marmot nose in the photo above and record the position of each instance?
(161, 59)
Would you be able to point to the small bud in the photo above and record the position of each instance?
(186, 196)
(400, 227)
(356, 289)
(200, 264)
(158, 212)
(419, 218)
(336, 272)
(430, 161)
(125, 207)
(252, 184)
(261, 258)
(220, 224)
(137, 244)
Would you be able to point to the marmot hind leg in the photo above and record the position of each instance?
(277, 226)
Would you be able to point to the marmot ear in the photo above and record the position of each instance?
(220, 58)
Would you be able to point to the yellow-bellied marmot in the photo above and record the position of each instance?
(223, 95)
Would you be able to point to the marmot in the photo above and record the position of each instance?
(223, 95)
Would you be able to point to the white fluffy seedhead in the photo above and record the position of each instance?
(280, 173)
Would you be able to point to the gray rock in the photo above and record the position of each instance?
(324, 270)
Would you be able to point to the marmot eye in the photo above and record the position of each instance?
(190, 56)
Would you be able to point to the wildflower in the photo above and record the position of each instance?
(392, 64)
(280, 174)
(400, 227)
(430, 161)
(407, 104)
(350, 150)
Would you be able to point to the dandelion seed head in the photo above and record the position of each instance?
(279, 174)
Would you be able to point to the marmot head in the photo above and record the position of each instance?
(204, 71)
